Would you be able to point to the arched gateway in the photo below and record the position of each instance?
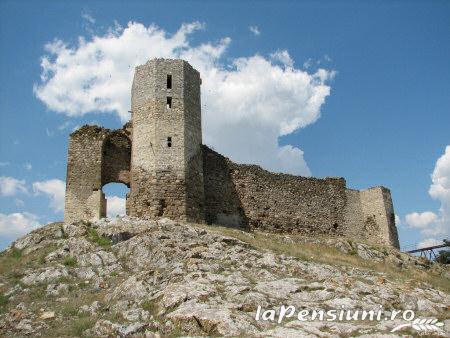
(97, 156)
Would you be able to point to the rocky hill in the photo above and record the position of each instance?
(143, 278)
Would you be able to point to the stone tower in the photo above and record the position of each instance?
(166, 156)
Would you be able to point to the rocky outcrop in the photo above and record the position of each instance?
(140, 278)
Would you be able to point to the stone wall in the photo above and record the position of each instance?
(258, 199)
(96, 156)
(247, 196)
(222, 202)
(378, 216)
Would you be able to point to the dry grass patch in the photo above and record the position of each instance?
(330, 255)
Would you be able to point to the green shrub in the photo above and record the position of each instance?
(79, 325)
(16, 253)
(353, 252)
(70, 261)
(96, 238)
(443, 257)
(3, 302)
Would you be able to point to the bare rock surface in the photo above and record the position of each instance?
(142, 278)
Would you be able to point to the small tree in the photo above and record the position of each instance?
(443, 257)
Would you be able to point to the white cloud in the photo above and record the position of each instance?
(255, 30)
(283, 57)
(76, 127)
(436, 224)
(398, 221)
(28, 166)
(308, 63)
(88, 18)
(48, 132)
(17, 224)
(18, 202)
(420, 220)
(64, 125)
(55, 190)
(429, 242)
(440, 188)
(10, 186)
(269, 98)
(115, 206)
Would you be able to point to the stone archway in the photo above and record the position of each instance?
(116, 196)
(116, 164)
(116, 158)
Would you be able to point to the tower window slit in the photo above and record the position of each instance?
(169, 102)
(169, 81)
(169, 141)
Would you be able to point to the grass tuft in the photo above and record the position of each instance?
(3, 302)
(79, 325)
(16, 253)
(70, 261)
(100, 240)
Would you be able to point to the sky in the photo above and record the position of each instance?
(357, 89)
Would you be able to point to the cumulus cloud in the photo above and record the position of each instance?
(55, 190)
(429, 242)
(17, 224)
(247, 102)
(28, 166)
(255, 30)
(420, 220)
(10, 186)
(429, 222)
(115, 206)
(398, 221)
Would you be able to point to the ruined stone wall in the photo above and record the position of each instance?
(84, 198)
(369, 215)
(246, 196)
(166, 158)
(379, 217)
(222, 202)
(96, 157)
(261, 200)
(353, 214)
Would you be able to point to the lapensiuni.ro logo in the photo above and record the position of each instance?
(290, 312)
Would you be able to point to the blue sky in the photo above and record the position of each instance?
(385, 84)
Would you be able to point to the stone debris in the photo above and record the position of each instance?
(47, 315)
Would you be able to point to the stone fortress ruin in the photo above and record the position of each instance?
(159, 155)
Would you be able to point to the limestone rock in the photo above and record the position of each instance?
(163, 278)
